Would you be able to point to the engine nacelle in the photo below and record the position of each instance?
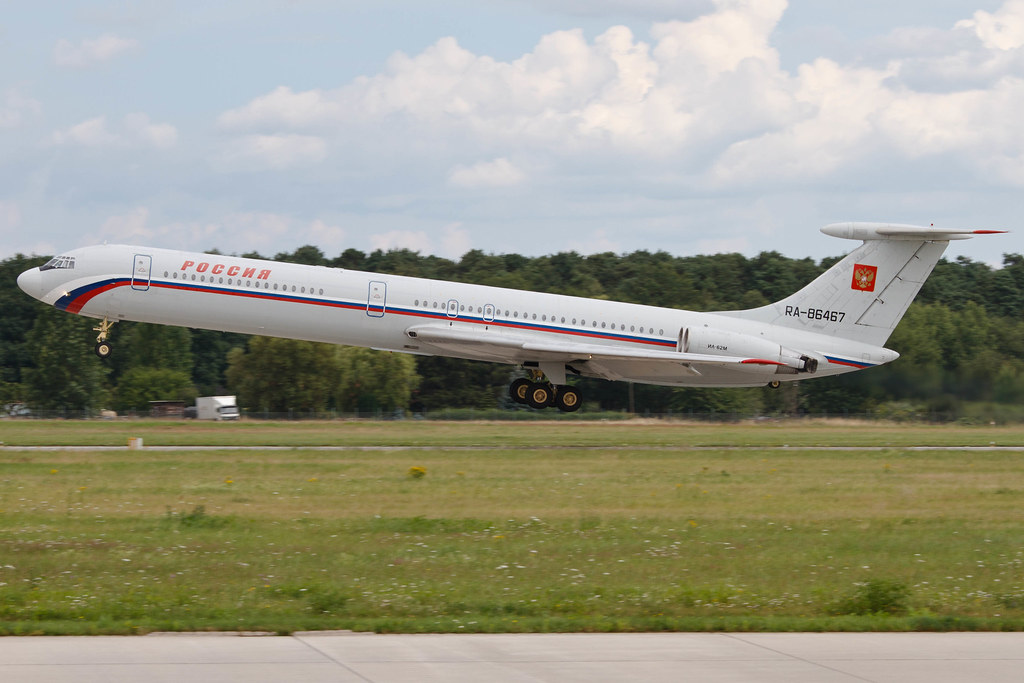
(714, 342)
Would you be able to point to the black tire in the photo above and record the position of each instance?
(568, 399)
(517, 390)
(103, 349)
(539, 395)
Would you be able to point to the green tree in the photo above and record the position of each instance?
(721, 400)
(457, 383)
(66, 374)
(140, 385)
(372, 381)
(280, 375)
(156, 346)
(19, 314)
(308, 254)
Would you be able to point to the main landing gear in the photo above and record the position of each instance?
(538, 393)
(103, 348)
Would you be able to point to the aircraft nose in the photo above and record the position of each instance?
(31, 282)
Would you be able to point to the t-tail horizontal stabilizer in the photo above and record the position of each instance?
(863, 296)
(896, 231)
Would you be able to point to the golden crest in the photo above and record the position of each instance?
(864, 277)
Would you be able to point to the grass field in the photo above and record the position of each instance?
(521, 527)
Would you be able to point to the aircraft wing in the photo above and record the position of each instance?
(505, 347)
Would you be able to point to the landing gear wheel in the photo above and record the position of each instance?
(774, 384)
(538, 395)
(568, 399)
(103, 349)
(517, 390)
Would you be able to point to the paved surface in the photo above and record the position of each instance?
(501, 447)
(343, 657)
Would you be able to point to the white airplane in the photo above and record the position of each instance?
(836, 324)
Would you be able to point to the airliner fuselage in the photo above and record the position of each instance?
(830, 327)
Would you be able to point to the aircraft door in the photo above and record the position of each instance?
(376, 301)
(453, 308)
(141, 268)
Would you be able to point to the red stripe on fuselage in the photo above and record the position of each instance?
(81, 300)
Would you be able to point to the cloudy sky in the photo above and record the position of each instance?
(529, 126)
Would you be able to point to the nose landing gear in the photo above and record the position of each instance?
(103, 348)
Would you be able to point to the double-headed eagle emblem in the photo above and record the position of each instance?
(864, 277)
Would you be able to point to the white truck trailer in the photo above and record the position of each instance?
(216, 408)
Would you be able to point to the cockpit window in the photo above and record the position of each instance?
(59, 263)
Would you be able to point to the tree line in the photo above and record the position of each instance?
(962, 344)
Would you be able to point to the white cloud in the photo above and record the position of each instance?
(136, 131)
(455, 241)
(725, 245)
(402, 239)
(89, 133)
(14, 107)
(270, 152)
(138, 128)
(10, 216)
(283, 108)
(708, 96)
(260, 228)
(129, 227)
(640, 136)
(89, 53)
(597, 243)
(327, 237)
(1001, 30)
(497, 173)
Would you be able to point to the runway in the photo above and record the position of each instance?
(659, 657)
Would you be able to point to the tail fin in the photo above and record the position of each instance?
(864, 296)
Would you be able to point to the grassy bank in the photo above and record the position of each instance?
(615, 536)
(638, 432)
